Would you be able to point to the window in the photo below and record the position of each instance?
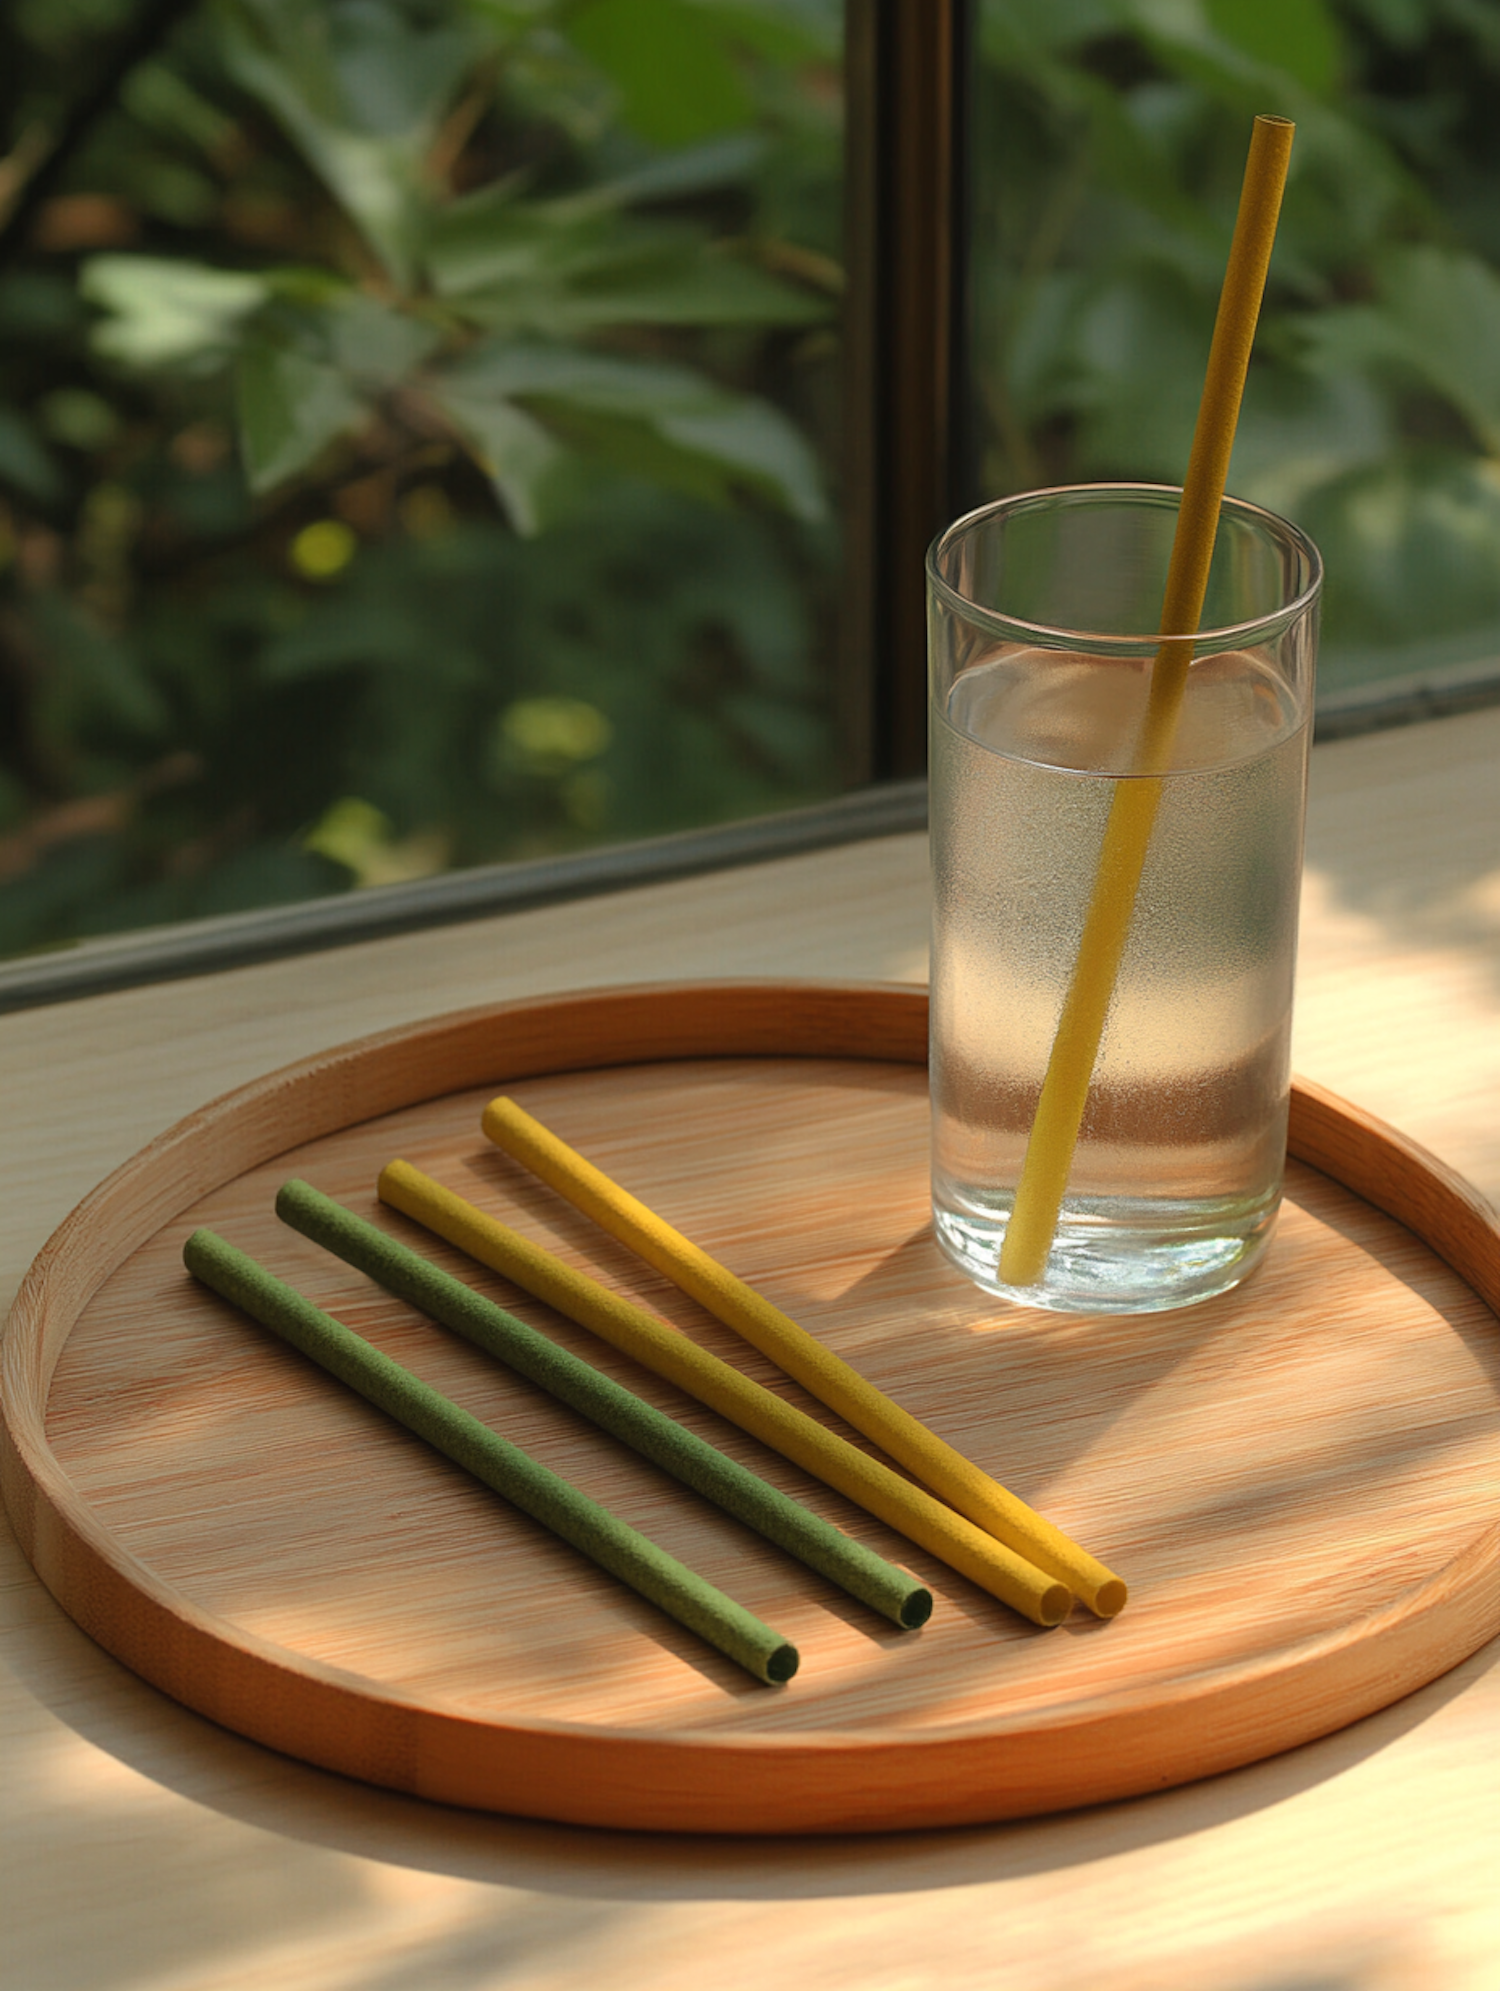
(419, 444)
(444, 442)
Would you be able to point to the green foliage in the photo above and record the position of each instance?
(675, 78)
(360, 89)
(416, 415)
(412, 445)
(167, 313)
(1113, 136)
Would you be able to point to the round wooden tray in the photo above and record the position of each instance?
(1299, 1479)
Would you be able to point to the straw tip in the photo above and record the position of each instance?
(196, 1247)
(1109, 1599)
(915, 1610)
(498, 1121)
(292, 1194)
(782, 1664)
(1054, 1604)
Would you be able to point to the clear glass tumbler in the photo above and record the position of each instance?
(1043, 609)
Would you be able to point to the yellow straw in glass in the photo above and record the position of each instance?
(1070, 1068)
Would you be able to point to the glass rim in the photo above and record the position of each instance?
(1101, 642)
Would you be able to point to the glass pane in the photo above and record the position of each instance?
(416, 430)
(1110, 137)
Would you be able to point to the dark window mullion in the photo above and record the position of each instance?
(906, 69)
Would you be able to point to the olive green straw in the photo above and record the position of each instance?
(895, 1594)
(647, 1569)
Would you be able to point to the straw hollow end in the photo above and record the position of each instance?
(782, 1664)
(1054, 1604)
(1109, 1599)
(915, 1610)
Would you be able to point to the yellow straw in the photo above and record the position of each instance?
(870, 1484)
(949, 1474)
(1070, 1068)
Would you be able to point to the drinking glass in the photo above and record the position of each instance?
(1043, 612)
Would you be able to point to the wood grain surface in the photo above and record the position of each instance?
(1297, 1478)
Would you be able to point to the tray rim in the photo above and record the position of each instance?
(163, 1633)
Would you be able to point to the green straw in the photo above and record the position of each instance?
(865, 1575)
(647, 1569)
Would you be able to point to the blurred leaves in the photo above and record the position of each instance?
(663, 419)
(290, 407)
(163, 312)
(575, 264)
(1112, 140)
(415, 415)
(413, 433)
(360, 89)
(1300, 38)
(26, 464)
(1435, 318)
(675, 79)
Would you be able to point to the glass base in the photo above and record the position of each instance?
(1118, 1257)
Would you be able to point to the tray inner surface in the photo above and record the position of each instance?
(1270, 1466)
